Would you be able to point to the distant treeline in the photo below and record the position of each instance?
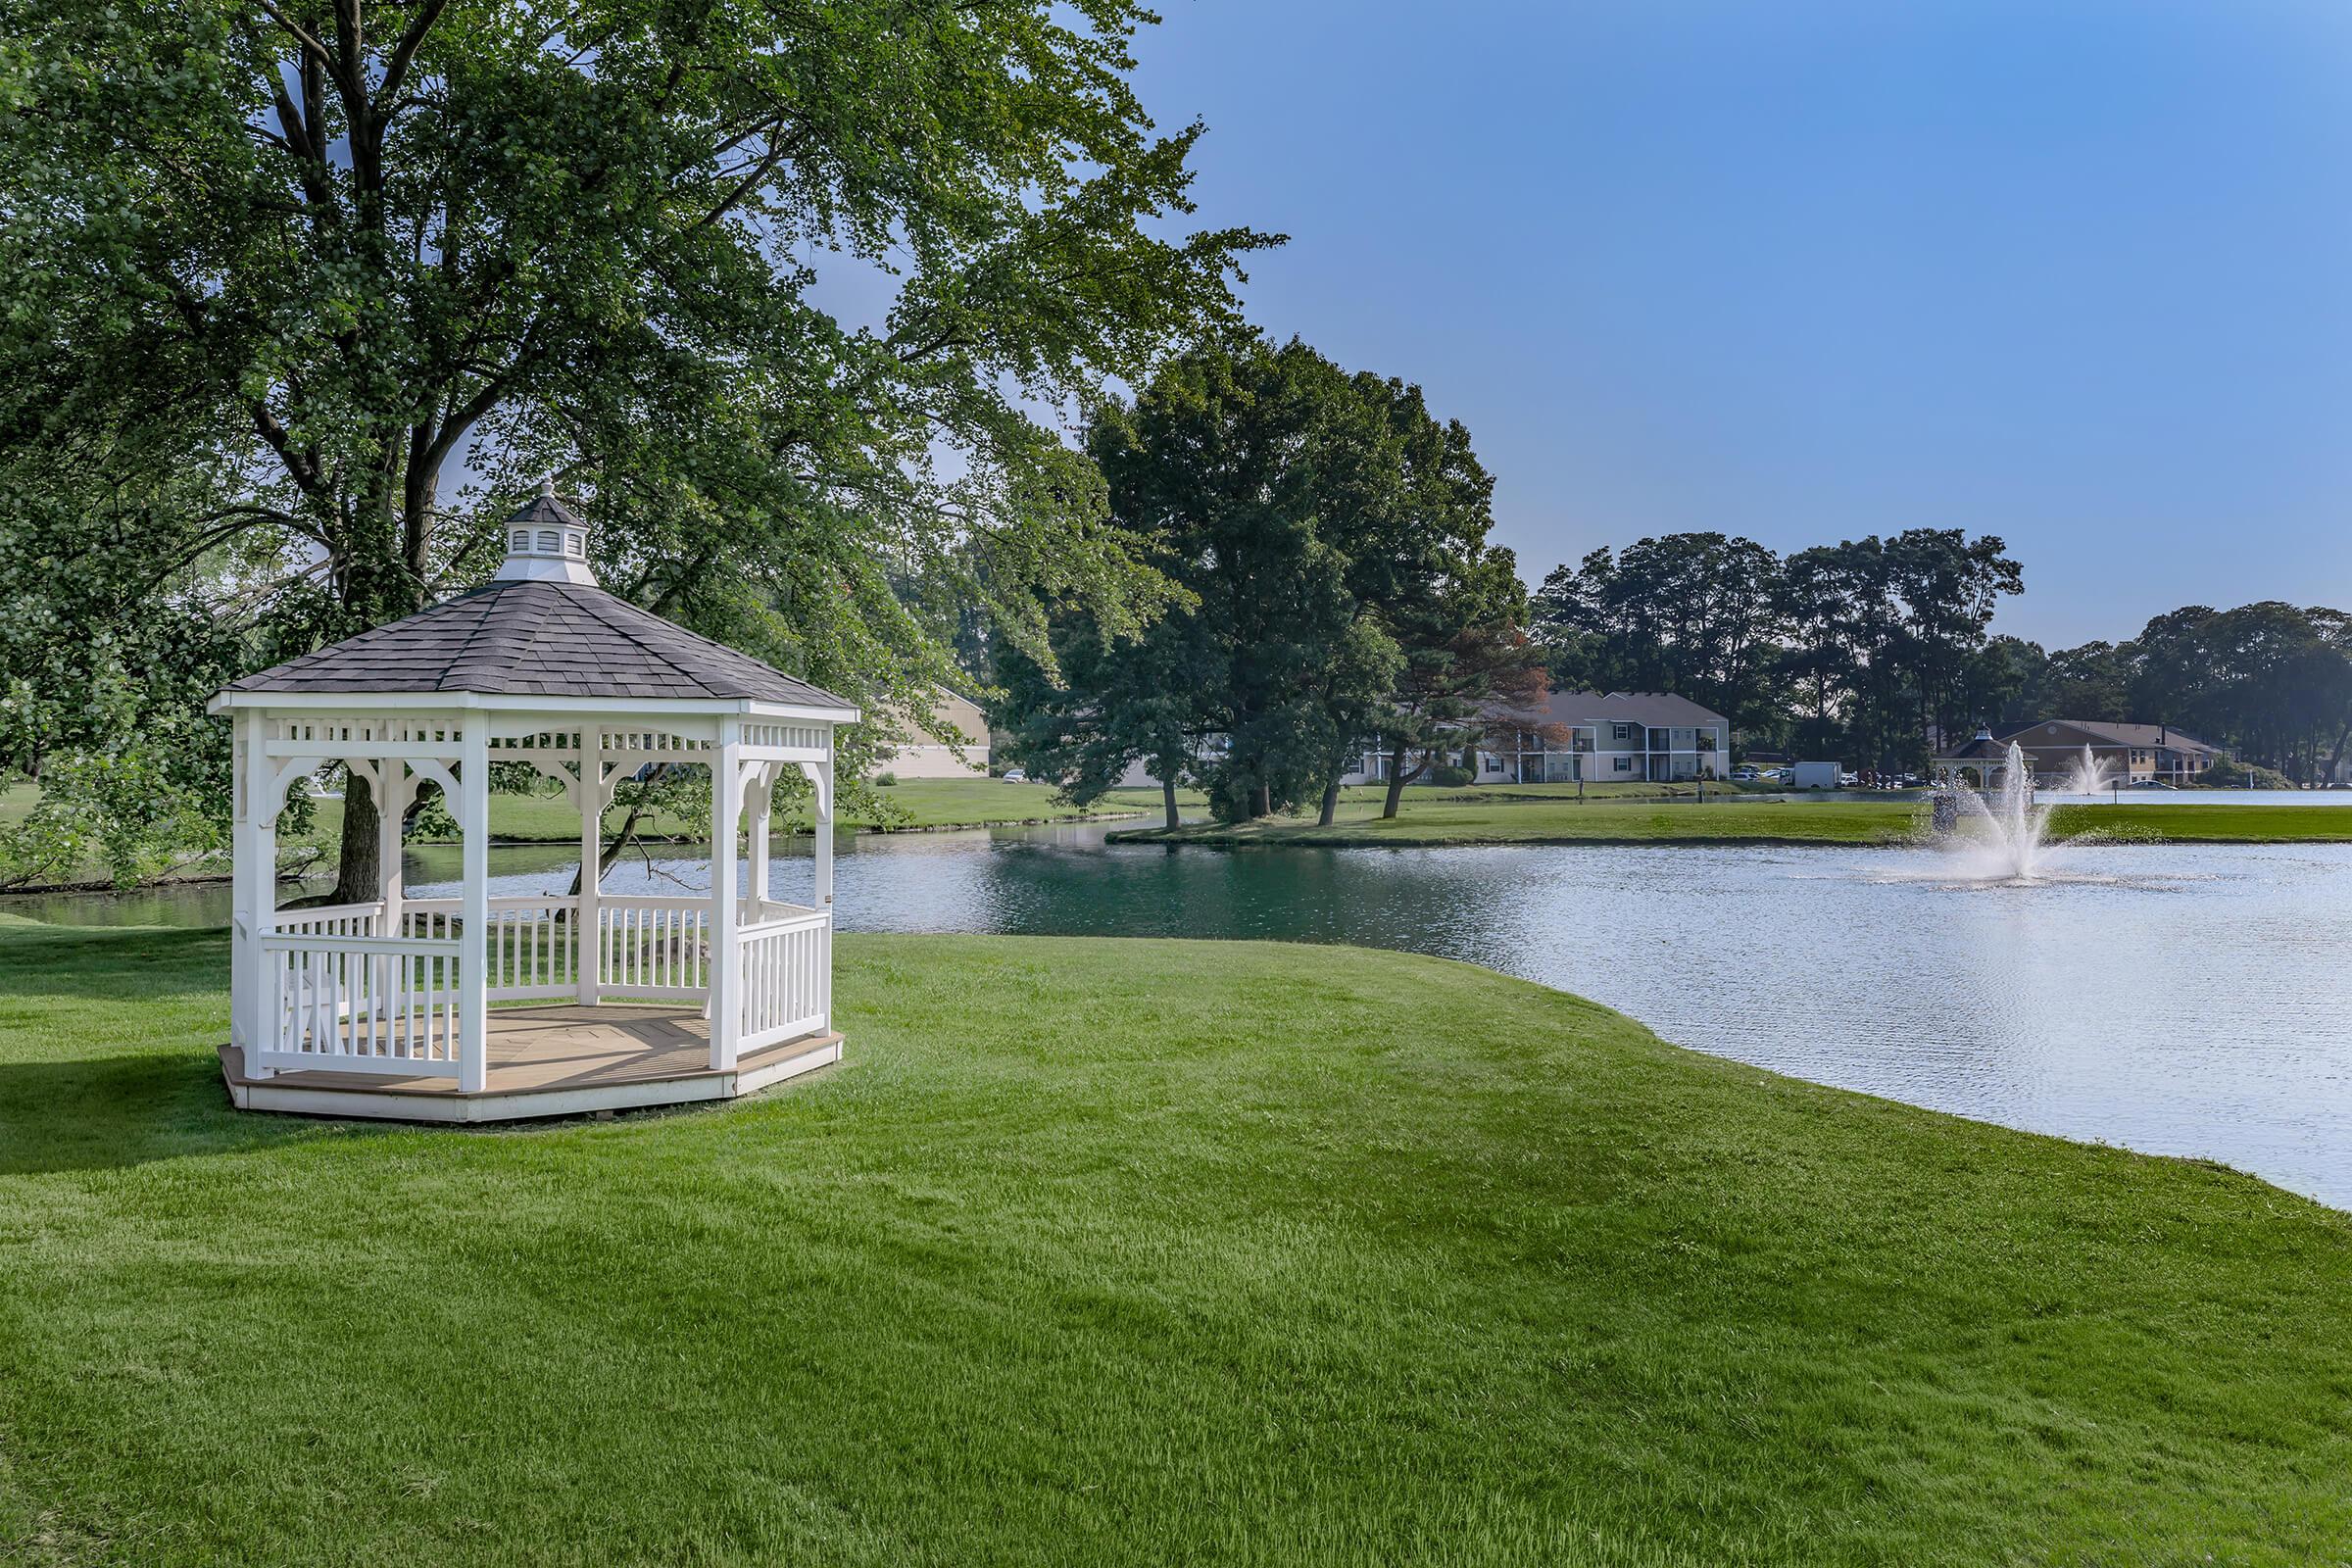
(1869, 649)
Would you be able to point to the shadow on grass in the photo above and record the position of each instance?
(110, 964)
(110, 1104)
(108, 1112)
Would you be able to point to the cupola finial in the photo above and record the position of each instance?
(546, 542)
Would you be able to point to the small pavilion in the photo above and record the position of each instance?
(483, 1007)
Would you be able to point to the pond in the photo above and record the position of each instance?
(2178, 999)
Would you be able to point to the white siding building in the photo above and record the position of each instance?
(1611, 738)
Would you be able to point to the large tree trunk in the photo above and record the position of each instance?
(1398, 779)
(1168, 795)
(360, 868)
(1331, 803)
(1261, 800)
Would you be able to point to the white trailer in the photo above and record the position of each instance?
(1816, 775)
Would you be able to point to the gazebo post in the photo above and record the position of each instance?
(727, 955)
(762, 797)
(473, 980)
(586, 921)
(822, 897)
(251, 770)
(392, 804)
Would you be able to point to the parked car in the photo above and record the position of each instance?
(1014, 775)
(1747, 775)
(1848, 780)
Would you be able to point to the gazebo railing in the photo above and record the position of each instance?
(529, 950)
(359, 1003)
(331, 920)
(787, 970)
(652, 945)
(340, 993)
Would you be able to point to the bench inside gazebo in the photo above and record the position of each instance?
(479, 1007)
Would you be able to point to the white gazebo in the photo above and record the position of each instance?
(480, 1007)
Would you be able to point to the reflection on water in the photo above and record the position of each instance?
(2183, 1000)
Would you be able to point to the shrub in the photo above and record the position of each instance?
(885, 780)
(1451, 778)
(2230, 774)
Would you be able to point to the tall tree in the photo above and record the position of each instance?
(1818, 661)
(1319, 522)
(1948, 587)
(275, 277)
(1470, 668)
(2092, 681)
(1688, 612)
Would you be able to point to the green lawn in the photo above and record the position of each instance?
(1437, 819)
(1110, 1253)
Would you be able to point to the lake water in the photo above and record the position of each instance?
(2181, 1000)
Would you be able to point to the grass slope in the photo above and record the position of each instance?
(1424, 823)
(1119, 1251)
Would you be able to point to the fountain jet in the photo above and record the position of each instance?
(2011, 832)
(2090, 774)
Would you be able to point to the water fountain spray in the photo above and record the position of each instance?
(2011, 831)
(2092, 774)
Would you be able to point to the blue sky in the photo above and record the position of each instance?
(2077, 273)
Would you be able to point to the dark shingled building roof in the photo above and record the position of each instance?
(538, 638)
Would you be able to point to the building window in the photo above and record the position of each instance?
(1625, 732)
(1625, 764)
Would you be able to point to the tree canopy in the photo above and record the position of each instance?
(295, 297)
(1327, 530)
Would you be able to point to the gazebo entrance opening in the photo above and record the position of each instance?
(476, 1007)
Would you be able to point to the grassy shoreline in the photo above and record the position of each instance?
(924, 806)
(1792, 823)
(1085, 1255)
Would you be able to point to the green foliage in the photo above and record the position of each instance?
(1860, 648)
(1310, 518)
(1688, 612)
(2230, 774)
(270, 273)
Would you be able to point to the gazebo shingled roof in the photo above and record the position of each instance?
(538, 638)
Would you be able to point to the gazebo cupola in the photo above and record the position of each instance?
(474, 1006)
(547, 543)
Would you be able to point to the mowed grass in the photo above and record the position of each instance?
(1101, 1252)
(1437, 821)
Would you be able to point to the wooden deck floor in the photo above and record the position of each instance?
(561, 1055)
